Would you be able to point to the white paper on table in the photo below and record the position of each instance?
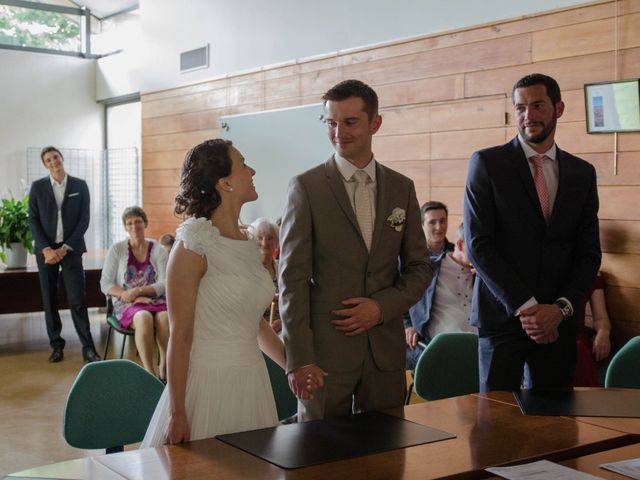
(541, 470)
(629, 468)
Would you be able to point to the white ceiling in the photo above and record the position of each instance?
(105, 8)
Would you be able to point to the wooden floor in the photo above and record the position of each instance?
(33, 391)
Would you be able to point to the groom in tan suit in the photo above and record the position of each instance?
(353, 260)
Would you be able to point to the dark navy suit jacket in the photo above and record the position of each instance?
(516, 254)
(43, 214)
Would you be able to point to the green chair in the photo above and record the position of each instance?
(624, 368)
(286, 401)
(114, 324)
(110, 405)
(448, 367)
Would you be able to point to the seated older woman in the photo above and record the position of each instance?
(134, 275)
(267, 235)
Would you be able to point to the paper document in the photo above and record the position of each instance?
(541, 470)
(630, 468)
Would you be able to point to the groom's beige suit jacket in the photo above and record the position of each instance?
(324, 260)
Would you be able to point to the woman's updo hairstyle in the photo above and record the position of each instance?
(203, 166)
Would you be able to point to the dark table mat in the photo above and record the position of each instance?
(580, 403)
(322, 441)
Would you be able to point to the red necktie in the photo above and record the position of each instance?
(541, 184)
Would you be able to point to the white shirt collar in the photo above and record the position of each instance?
(54, 182)
(530, 152)
(347, 169)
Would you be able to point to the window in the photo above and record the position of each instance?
(44, 27)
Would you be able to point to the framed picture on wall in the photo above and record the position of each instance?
(613, 106)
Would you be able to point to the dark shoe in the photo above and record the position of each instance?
(91, 356)
(56, 355)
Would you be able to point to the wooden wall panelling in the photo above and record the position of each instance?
(245, 93)
(620, 236)
(456, 145)
(165, 159)
(176, 141)
(417, 170)
(449, 173)
(622, 306)
(622, 269)
(619, 203)
(404, 120)
(213, 84)
(421, 91)
(628, 168)
(629, 142)
(184, 122)
(573, 40)
(391, 148)
(571, 73)
(270, 104)
(158, 195)
(452, 197)
(446, 61)
(315, 83)
(573, 137)
(629, 27)
(468, 114)
(281, 87)
(162, 178)
(629, 63)
(185, 103)
(486, 32)
(157, 228)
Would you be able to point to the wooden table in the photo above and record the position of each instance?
(591, 463)
(626, 425)
(489, 433)
(22, 286)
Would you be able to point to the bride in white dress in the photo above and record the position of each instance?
(217, 290)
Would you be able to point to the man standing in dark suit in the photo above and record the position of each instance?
(58, 219)
(531, 224)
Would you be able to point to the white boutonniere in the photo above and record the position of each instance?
(396, 219)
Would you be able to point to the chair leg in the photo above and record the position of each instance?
(124, 342)
(106, 347)
(407, 396)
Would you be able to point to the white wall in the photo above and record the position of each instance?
(45, 100)
(245, 34)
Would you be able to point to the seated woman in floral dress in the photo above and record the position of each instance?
(134, 275)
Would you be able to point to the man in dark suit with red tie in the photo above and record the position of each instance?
(58, 219)
(531, 224)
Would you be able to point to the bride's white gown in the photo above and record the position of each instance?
(228, 387)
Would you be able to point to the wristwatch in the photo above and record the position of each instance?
(565, 308)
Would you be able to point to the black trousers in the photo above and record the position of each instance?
(74, 282)
(503, 358)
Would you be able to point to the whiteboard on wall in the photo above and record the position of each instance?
(278, 144)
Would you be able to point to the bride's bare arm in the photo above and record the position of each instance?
(270, 343)
(184, 271)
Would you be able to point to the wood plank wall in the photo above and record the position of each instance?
(442, 97)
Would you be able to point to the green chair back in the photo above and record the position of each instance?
(624, 368)
(448, 367)
(110, 405)
(286, 401)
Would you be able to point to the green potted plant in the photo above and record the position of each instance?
(15, 236)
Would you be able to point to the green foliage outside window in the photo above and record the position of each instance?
(40, 29)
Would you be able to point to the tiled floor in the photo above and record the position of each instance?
(33, 391)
